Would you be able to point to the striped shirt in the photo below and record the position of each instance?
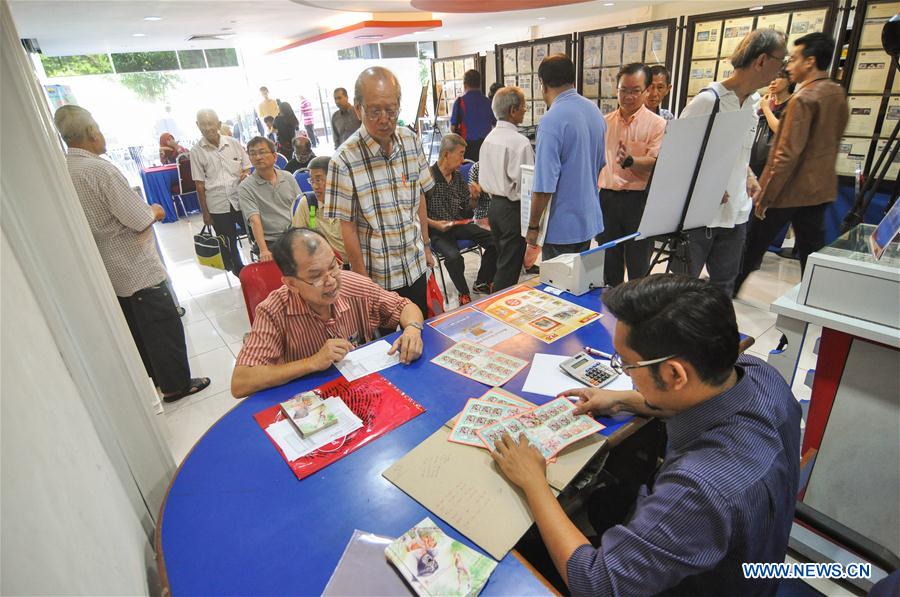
(306, 111)
(219, 169)
(120, 222)
(724, 494)
(381, 194)
(286, 330)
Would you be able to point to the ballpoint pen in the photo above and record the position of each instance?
(597, 353)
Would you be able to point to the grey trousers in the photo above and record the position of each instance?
(721, 250)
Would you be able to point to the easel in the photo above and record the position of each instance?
(716, 143)
(678, 242)
(435, 129)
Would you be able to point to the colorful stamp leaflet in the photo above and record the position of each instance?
(478, 414)
(549, 427)
(537, 313)
(479, 363)
(474, 326)
(434, 564)
(501, 396)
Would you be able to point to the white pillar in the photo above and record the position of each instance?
(84, 465)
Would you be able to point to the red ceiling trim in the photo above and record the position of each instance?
(411, 25)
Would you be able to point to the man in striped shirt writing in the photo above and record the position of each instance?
(318, 316)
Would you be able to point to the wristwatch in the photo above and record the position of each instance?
(417, 325)
(534, 227)
(628, 162)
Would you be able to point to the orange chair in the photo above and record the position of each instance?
(258, 280)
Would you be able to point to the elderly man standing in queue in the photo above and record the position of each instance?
(504, 151)
(720, 246)
(218, 165)
(345, 120)
(266, 196)
(318, 316)
(122, 226)
(376, 181)
(569, 155)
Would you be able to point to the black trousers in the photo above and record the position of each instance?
(311, 133)
(157, 331)
(809, 229)
(416, 292)
(622, 211)
(445, 244)
(506, 230)
(230, 225)
(473, 149)
(549, 251)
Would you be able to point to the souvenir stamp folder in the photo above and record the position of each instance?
(461, 485)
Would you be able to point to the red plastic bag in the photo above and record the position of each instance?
(433, 297)
(379, 403)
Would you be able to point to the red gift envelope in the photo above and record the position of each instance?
(377, 402)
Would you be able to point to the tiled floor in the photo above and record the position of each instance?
(216, 322)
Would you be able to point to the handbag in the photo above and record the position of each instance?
(433, 297)
(212, 250)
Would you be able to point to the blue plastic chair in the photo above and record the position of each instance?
(302, 178)
(465, 168)
(296, 204)
(280, 161)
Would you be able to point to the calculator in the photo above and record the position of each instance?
(588, 370)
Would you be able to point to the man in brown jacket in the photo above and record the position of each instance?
(799, 180)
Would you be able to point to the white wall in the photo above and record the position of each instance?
(84, 466)
(67, 525)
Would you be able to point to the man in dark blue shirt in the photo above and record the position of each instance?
(726, 490)
(471, 117)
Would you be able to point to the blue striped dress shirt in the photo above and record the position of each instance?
(724, 494)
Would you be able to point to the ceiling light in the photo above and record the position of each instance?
(609, 4)
(542, 18)
(488, 27)
(138, 35)
(369, 36)
(417, 33)
(153, 18)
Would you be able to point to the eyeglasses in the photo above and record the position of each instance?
(332, 272)
(258, 154)
(621, 367)
(631, 91)
(377, 113)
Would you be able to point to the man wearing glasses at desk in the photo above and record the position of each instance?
(318, 316)
(376, 181)
(725, 492)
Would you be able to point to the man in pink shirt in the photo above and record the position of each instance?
(633, 137)
(306, 113)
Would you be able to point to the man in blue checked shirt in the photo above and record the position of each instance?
(725, 492)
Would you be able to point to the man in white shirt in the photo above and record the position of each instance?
(720, 247)
(218, 164)
(504, 151)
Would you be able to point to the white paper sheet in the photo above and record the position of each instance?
(367, 359)
(288, 438)
(547, 379)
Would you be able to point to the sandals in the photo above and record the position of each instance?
(196, 384)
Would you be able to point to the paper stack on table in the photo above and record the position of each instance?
(294, 445)
(367, 359)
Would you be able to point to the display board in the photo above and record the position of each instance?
(873, 90)
(447, 74)
(517, 65)
(711, 39)
(603, 52)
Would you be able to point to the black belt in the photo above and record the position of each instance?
(493, 196)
